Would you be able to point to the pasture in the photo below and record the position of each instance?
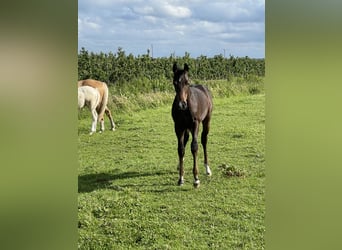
(128, 196)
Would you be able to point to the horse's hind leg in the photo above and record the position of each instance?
(204, 140)
(100, 119)
(102, 125)
(94, 121)
(110, 117)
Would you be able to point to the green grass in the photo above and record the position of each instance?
(128, 194)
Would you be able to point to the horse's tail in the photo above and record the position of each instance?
(98, 98)
(104, 101)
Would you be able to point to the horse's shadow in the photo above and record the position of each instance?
(90, 182)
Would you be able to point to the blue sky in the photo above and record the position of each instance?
(233, 27)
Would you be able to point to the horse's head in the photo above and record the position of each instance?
(181, 84)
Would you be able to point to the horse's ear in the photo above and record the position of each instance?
(186, 67)
(174, 68)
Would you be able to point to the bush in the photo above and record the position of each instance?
(120, 68)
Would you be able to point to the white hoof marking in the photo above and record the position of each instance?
(207, 169)
(196, 183)
(181, 181)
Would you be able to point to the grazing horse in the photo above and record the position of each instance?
(102, 106)
(89, 96)
(191, 106)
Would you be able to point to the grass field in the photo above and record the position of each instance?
(128, 194)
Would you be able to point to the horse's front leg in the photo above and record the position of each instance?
(181, 152)
(194, 149)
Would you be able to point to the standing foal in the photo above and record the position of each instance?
(191, 106)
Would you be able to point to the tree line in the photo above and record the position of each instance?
(122, 68)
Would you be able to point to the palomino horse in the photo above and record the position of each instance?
(102, 106)
(191, 106)
(89, 96)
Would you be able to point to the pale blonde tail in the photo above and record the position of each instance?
(104, 102)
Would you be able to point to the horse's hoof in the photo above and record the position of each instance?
(196, 183)
(208, 171)
(91, 133)
(180, 182)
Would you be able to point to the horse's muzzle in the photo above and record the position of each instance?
(183, 105)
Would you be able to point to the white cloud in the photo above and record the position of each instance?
(175, 11)
(233, 11)
(154, 8)
(209, 27)
(86, 27)
(195, 26)
(86, 24)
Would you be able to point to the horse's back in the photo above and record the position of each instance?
(204, 90)
(101, 86)
(90, 82)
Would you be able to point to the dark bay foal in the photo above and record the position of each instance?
(191, 106)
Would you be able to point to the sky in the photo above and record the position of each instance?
(227, 27)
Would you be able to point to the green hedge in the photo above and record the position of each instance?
(120, 68)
